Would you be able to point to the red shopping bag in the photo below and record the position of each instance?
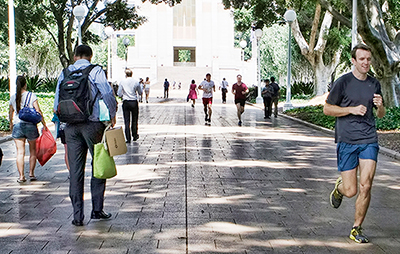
(45, 146)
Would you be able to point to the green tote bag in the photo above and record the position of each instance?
(103, 163)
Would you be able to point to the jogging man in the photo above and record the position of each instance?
(208, 87)
(240, 90)
(352, 100)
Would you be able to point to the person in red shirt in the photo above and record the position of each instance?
(240, 91)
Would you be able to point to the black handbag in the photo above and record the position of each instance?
(29, 114)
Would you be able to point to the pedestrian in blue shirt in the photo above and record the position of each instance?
(81, 137)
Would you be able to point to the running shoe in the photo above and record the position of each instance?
(357, 235)
(240, 123)
(336, 197)
(209, 120)
(206, 118)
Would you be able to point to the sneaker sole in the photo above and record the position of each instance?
(356, 240)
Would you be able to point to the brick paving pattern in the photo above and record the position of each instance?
(184, 187)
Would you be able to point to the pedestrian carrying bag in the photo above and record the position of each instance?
(75, 102)
(29, 114)
(46, 146)
(103, 163)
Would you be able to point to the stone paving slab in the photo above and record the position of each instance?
(185, 187)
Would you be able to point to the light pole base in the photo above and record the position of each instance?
(259, 100)
(287, 106)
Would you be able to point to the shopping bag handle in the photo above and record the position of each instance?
(103, 140)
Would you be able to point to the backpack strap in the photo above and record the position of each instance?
(28, 98)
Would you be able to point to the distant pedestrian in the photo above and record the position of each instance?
(267, 93)
(130, 89)
(352, 100)
(147, 89)
(81, 137)
(275, 96)
(208, 87)
(166, 88)
(179, 85)
(193, 92)
(224, 89)
(240, 91)
(141, 82)
(22, 130)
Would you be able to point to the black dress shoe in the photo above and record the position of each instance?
(77, 223)
(100, 215)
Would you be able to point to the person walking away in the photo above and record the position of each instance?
(129, 90)
(240, 91)
(224, 89)
(193, 92)
(81, 136)
(275, 96)
(147, 89)
(267, 93)
(352, 100)
(208, 87)
(141, 82)
(22, 130)
(166, 88)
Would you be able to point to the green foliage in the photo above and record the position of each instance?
(4, 124)
(313, 114)
(4, 84)
(391, 121)
(33, 83)
(184, 55)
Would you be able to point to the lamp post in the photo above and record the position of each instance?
(258, 34)
(290, 16)
(126, 42)
(243, 44)
(109, 31)
(79, 13)
(13, 55)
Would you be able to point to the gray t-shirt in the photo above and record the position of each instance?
(348, 91)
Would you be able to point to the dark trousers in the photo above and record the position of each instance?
(81, 138)
(267, 106)
(165, 92)
(224, 91)
(130, 110)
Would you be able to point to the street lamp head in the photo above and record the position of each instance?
(243, 44)
(108, 31)
(290, 15)
(79, 12)
(126, 42)
(258, 33)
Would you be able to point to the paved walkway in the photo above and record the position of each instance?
(189, 188)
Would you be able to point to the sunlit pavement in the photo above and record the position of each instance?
(185, 187)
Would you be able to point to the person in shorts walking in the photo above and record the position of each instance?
(352, 100)
(208, 88)
(240, 91)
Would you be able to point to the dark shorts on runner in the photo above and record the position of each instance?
(62, 136)
(207, 101)
(348, 155)
(241, 101)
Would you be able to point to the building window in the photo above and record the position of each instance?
(184, 56)
(185, 20)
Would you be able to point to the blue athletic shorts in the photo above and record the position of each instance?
(25, 130)
(349, 154)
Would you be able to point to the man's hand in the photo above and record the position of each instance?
(359, 110)
(378, 100)
(113, 121)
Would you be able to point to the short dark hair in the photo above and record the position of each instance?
(83, 51)
(272, 79)
(359, 46)
(193, 81)
(128, 72)
(266, 81)
(208, 74)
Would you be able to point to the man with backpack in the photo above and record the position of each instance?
(79, 89)
(275, 96)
